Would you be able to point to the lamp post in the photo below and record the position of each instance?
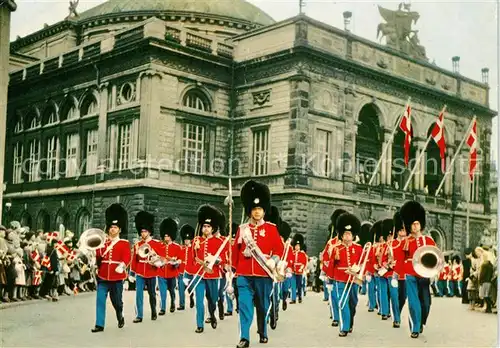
(6, 7)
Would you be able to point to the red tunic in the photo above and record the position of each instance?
(399, 258)
(344, 257)
(330, 265)
(183, 257)
(172, 250)
(445, 272)
(290, 258)
(268, 240)
(110, 256)
(412, 244)
(370, 263)
(299, 262)
(202, 248)
(139, 264)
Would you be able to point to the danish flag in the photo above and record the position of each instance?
(405, 126)
(46, 262)
(62, 248)
(37, 280)
(51, 236)
(472, 142)
(35, 255)
(71, 256)
(438, 136)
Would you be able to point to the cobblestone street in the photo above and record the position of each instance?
(68, 324)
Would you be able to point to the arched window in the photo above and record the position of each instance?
(400, 172)
(62, 218)
(69, 111)
(368, 143)
(50, 116)
(195, 99)
(32, 120)
(89, 105)
(26, 220)
(83, 222)
(438, 238)
(433, 171)
(19, 125)
(43, 221)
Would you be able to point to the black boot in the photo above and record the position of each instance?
(172, 307)
(191, 301)
(97, 329)
(243, 343)
(489, 305)
(121, 322)
(220, 306)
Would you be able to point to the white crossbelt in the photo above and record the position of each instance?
(111, 261)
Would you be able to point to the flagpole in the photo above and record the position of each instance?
(417, 163)
(391, 139)
(467, 237)
(450, 167)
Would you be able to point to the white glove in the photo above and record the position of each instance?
(368, 278)
(394, 283)
(131, 279)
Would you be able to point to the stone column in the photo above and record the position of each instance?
(298, 141)
(150, 113)
(448, 183)
(102, 146)
(422, 168)
(388, 158)
(6, 7)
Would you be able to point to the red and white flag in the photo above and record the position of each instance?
(35, 255)
(472, 142)
(46, 262)
(72, 256)
(438, 136)
(51, 236)
(62, 248)
(37, 280)
(405, 126)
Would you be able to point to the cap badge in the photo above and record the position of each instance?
(348, 227)
(114, 221)
(256, 201)
(208, 220)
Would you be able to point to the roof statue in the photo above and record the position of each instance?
(398, 30)
(73, 4)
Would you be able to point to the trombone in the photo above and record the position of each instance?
(355, 275)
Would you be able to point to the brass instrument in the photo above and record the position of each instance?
(92, 239)
(147, 252)
(355, 274)
(428, 261)
(281, 267)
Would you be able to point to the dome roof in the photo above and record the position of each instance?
(239, 10)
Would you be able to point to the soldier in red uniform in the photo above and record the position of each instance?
(347, 258)
(186, 268)
(234, 296)
(112, 259)
(285, 231)
(172, 253)
(383, 266)
(254, 282)
(442, 283)
(417, 287)
(145, 267)
(399, 258)
(299, 267)
(209, 258)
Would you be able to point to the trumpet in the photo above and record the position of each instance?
(92, 239)
(355, 274)
(428, 261)
(147, 252)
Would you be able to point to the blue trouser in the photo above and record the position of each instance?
(363, 288)
(252, 289)
(394, 296)
(229, 303)
(334, 301)
(166, 284)
(451, 288)
(211, 286)
(325, 291)
(349, 311)
(115, 289)
(458, 285)
(304, 285)
(222, 286)
(297, 287)
(140, 282)
(441, 288)
(384, 296)
(372, 297)
(182, 290)
(377, 292)
(419, 301)
(276, 297)
(401, 294)
(285, 288)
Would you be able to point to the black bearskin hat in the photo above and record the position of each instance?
(347, 222)
(222, 223)
(285, 230)
(208, 214)
(116, 215)
(376, 231)
(365, 235)
(333, 218)
(187, 232)
(410, 212)
(398, 222)
(144, 221)
(387, 228)
(169, 227)
(298, 239)
(273, 216)
(456, 259)
(253, 195)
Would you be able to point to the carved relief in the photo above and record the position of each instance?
(431, 76)
(448, 84)
(362, 52)
(384, 60)
(326, 40)
(261, 98)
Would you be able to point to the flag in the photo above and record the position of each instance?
(49, 237)
(37, 280)
(35, 255)
(46, 262)
(405, 126)
(472, 142)
(72, 256)
(438, 136)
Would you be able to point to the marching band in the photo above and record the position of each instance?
(257, 264)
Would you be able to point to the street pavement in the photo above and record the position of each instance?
(67, 323)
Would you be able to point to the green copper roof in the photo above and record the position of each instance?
(237, 9)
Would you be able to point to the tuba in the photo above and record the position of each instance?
(428, 261)
(92, 239)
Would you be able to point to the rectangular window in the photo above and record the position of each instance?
(17, 173)
(52, 157)
(323, 152)
(124, 145)
(193, 148)
(91, 165)
(34, 161)
(72, 149)
(260, 151)
(474, 186)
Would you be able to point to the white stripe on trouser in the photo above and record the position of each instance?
(338, 300)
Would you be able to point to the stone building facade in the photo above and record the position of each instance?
(156, 110)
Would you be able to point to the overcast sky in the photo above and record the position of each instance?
(446, 28)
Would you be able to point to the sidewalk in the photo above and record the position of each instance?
(9, 305)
